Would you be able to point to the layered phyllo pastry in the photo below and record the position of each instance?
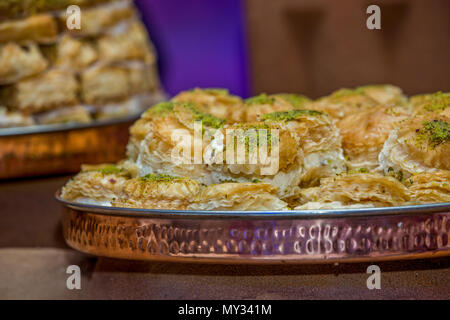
(209, 150)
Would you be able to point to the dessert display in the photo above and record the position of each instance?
(50, 73)
(209, 150)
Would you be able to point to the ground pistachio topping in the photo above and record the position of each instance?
(435, 132)
(260, 99)
(151, 177)
(294, 99)
(290, 115)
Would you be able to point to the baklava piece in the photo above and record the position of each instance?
(344, 102)
(430, 187)
(131, 44)
(18, 62)
(52, 89)
(78, 114)
(217, 102)
(300, 148)
(437, 103)
(240, 197)
(155, 149)
(354, 190)
(255, 107)
(113, 83)
(101, 19)
(39, 28)
(99, 186)
(364, 133)
(419, 144)
(385, 94)
(14, 119)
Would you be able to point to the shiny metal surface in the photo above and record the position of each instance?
(323, 236)
(55, 149)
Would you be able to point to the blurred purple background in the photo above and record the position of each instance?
(200, 43)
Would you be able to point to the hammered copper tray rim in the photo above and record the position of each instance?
(291, 214)
(48, 128)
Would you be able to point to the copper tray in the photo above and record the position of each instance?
(314, 236)
(55, 149)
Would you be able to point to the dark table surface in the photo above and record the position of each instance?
(34, 259)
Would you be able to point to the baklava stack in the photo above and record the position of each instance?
(51, 71)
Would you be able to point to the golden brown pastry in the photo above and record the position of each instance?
(247, 196)
(430, 187)
(99, 20)
(39, 28)
(437, 103)
(303, 146)
(155, 149)
(155, 191)
(18, 62)
(111, 185)
(255, 107)
(79, 114)
(103, 84)
(385, 94)
(131, 44)
(21, 8)
(419, 144)
(71, 53)
(14, 119)
(354, 190)
(100, 185)
(54, 88)
(344, 102)
(217, 102)
(364, 133)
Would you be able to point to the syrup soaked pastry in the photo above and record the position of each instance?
(102, 19)
(437, 103)
(39, 28)
(364, 133)
(217, 102)
(155, 191)
(18, 62)
(52, 89)
(113, 186)
(255, 107)
(247, 196)
(344, 102)
(14, 119)
(385, 94)
(98, 185)
(419, 144)
(354, 190)
(307, 142)
(430, 187)
(155, 149)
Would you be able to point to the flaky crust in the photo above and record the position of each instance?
(18, 62)
(364, 133)
(344, 102)
(411, 149)
(254, 108)
(99, 20)
(102, 84)
(385, 94)
(352, 190)
(95, 187)
(39, 28)
(238, 196)
(430, 187)
(217, 102)
(52, 89)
